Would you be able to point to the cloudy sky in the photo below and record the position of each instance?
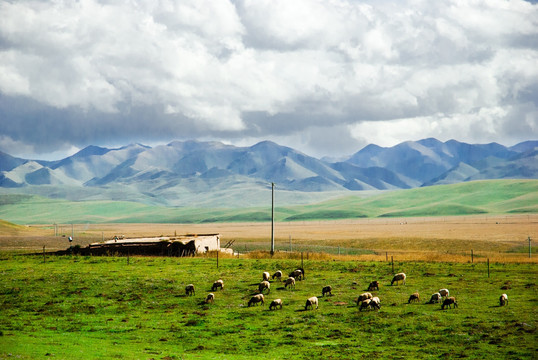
(325, 77)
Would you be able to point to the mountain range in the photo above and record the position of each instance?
(192, 173)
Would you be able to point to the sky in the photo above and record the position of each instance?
(324, 77)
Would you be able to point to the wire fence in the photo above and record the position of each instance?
(334, 250)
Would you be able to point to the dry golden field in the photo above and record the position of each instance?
(499, 238)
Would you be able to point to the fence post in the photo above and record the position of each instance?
(218, 259)
(302, 266)
(472, 256)
(392, 260)
(488, 267)
(44, 254)
(290, 243)
(386, 256)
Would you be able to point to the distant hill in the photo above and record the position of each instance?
(468, 198)
(7, 228)
(212, 174)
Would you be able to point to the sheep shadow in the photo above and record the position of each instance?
(257, 292)
(216, 290)
(184, 296)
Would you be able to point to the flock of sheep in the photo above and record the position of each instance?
(364, 301)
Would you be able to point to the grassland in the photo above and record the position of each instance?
(89, 308)
(67, 307)
(493, 197)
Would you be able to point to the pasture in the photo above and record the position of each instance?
(68, 307)
(113, 307)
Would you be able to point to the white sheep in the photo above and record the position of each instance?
(449, 301)
(414, 297)
(435, 298)
(297, 274)
(210, 298)
(289, 281)
(363, 297)
(218, 284)
(444, 292)
(189, 290)
(503, 300)
(311, 302)
(256, 299)
(275, 303)
(278, 275)
(327, 290)
(398, 277)
(365, 304)
(266, 276)
(375, 303)
(264, 285)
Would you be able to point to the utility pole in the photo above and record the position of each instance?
(272, 218)
(529, 238)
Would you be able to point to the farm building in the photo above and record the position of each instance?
(180, 245)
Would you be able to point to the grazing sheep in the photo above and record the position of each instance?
(444, 293)
(189, 290)
(435, 298)
(218, 284)
(503, 300)
(264, 285)
(289, 281)
(375, 303)
(374, 285)
(398, 277)
(210, 298)
(297, 274)
(414, 297)
(363, 297)
(449, 301)
(327, 290)
(266, 276)
(278, 275)
(365, 304)
(311, 302)
(275, 303)
(256, 299)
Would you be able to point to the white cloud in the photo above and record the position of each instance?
(256, 69)
(482, 126)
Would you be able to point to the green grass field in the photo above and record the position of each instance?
(104, 307)
(478, 197)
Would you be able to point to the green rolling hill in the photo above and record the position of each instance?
(469, 198)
